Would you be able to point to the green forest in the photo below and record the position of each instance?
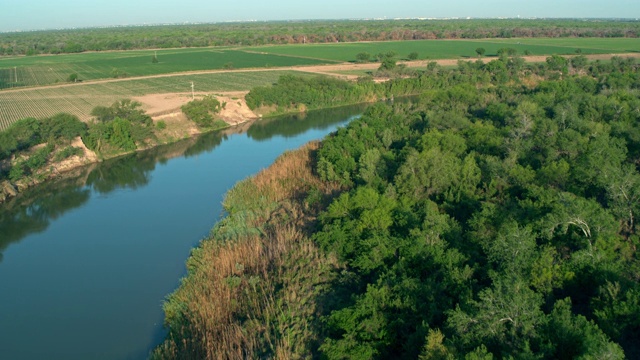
(291, 32)
(493, 216)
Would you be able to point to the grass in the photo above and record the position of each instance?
(52, 69)
(452, 49)
(80, 99)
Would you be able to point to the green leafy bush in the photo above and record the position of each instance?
(68, 152)
(202, 111)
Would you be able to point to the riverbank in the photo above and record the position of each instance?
(170, 126)
(244, 294)
(117, 222)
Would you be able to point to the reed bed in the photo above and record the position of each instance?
(252, 285)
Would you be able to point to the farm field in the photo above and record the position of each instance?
(52, 69)
(80, 99)
(454, 49)
(612, 45)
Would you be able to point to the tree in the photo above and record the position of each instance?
(505, 316)
(434, 349)
(413, 56)
(388, 64)
(363, 57)
(558, 63)
(575, 337)
(480, 51)
(73, 78)
(154, 59)
(62, 127)
(579, 62)
(201, 111)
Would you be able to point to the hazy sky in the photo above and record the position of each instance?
(48, 14)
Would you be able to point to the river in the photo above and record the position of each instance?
(86, 261)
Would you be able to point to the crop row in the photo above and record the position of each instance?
(126, 64)
(452, 49)
(80, 99)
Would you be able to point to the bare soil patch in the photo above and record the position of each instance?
(162, 104)
(177, 127)
(166, 107)
(75, 161)
(235, 110)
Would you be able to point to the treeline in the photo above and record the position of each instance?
(290, 32)
(296, 93)
(300, 93)
(493, 217)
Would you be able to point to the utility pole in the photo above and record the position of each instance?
(193, 94)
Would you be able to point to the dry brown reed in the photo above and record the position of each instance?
(251, 287)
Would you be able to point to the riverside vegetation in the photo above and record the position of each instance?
(30, 147)
(493, 217)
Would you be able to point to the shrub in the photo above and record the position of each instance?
(124, 109)
(363, 57)
(68, 152)
(21, 135)
(62, 127)
(201, 111)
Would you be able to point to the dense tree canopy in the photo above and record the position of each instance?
(491, 216)
(500, 219)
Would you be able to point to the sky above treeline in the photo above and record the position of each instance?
(47, 14)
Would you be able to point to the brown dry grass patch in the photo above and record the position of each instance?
(252, 285)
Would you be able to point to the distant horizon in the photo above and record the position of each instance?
(631, 19)
(39, 15)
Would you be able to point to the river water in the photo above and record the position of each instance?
(86, 262)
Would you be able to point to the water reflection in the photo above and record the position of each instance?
(32, 211)
(295, 124)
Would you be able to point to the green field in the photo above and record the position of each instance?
(51, 69)
(610, 45)
(453, 49)
(80, 99)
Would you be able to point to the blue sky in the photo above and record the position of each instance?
(48, 14)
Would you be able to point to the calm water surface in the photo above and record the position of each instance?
(86, 262)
